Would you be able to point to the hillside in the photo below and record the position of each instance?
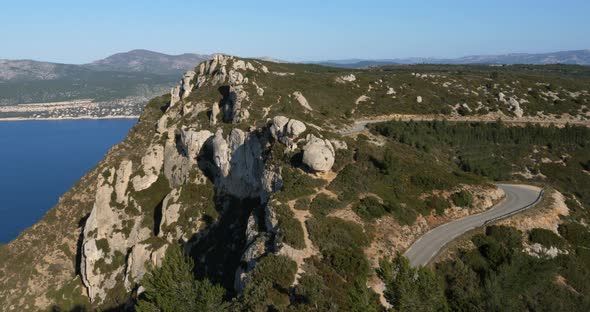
(144, 61)
(123, 81)
(247, 167)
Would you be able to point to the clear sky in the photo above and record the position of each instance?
(297, 30)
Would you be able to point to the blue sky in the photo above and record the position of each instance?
(296, 30)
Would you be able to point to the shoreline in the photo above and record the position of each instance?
(8, 119)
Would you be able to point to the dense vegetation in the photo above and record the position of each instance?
(499, 276)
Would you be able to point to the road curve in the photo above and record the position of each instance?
(517, 199)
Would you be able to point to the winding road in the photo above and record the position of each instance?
(518, 198)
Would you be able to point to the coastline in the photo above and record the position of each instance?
(8, 119)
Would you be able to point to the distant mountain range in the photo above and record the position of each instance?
(142, 74)
(578, 57)
(137, 74)
(148, 61)
(135, 61)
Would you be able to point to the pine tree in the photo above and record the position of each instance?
(173, 287)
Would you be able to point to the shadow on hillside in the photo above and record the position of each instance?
(80, 308)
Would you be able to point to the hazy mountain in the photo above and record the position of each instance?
(578, 57)
(149, 62)
(26, 70)
(137, 73)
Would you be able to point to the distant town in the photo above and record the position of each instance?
(129, 107)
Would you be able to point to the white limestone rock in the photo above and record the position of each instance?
(174, 96)
(123, 176)
(177, 165)
(286, 130)
(221, 153)
(272, 182)
(151, 165)
(170, 213)
(346, 78)
(295, 128)
(277, 128)
(101, 222)
(318, 154)
(239, 65)
(419, 99)
(338, 144)
(136, 264)
(302, 100)
(186, 84)
(215, 110)
(515, 106)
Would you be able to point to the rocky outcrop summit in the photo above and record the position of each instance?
(141, 207)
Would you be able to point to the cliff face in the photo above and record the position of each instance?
(176, 178)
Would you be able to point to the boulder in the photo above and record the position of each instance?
(295, 128)
(302, 100)
(419, 99)
(318, 154)
(277, 128)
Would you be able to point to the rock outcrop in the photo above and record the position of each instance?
(318, 154)
(302, 100)
(286, 130)
(151, 164)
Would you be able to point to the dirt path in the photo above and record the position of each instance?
(361, 124)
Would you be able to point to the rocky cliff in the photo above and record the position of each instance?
(186, 163)
(242, 161)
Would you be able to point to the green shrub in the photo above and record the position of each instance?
(290, 227)
(369, 209)
(437, 203)
(332, 232)
(347, 262)
(297, 184)
(323, 204)
(268, 287)
(575, 233)
(411, 289)
(172, 287)
(462, 199)
(546, 238)
(302, 203)
(343, 158)
(349, 182)
(403, 214)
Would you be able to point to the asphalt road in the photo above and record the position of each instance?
(427, 246)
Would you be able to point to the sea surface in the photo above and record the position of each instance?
(41, 160)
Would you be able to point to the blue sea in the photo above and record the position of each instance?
(41, 160)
